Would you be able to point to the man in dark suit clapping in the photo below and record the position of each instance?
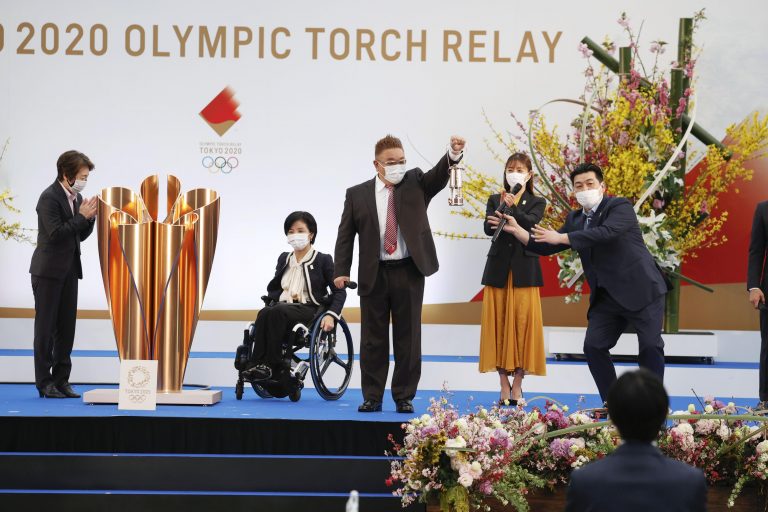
(63, 221)
(389, 214)
(637, 476)
(627, 287)
(757, 285)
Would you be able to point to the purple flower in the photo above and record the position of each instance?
(561, 448)
(486, 487)
(585, 51)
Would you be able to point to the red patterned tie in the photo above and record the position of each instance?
(390, 233)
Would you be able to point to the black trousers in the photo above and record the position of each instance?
(273, 327)
(399, 292)
(763, 354)
(55, 316)
(606, 321)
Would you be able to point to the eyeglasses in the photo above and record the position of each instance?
(392, 162)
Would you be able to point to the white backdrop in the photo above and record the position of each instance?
(308, 126)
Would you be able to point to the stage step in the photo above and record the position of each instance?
(192, 482)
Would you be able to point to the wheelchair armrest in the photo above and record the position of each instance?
(268, 301)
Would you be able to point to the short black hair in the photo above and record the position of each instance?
(638, 405)
(69, 164)
(306, 218)
(585, 168)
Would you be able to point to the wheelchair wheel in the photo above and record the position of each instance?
(239, 388)
(331, 359)
(259, 389)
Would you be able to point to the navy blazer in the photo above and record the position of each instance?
(613, 254)
(757, 277)
(318, 273)
(59, 234)
(507, 253)
(637, 477)
(360, 217)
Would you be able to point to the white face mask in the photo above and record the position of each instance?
(515, 178)
(298, 240)
(588, 199)
(79, 186)
(394, 173)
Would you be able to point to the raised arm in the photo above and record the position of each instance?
(435, 180)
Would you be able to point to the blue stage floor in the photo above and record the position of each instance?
(22, 400)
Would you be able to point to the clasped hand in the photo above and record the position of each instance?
(89, 207)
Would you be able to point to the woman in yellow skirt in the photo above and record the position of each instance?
(511, 330)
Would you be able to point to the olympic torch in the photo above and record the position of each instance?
(455, 192)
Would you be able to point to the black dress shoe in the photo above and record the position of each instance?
(67, 390)
(404, 406)
(257, 373)
(50, 391)
(370, 406)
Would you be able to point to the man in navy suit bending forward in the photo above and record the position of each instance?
(627, 287)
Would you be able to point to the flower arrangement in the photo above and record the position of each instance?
(10, 231)
(463, 460)
(634, 123)
(719, 442)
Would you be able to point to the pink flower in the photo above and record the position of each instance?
(623, 138)
(486, 487)
(585, 51)
(623, 20)
(658, 47)
(658, 204)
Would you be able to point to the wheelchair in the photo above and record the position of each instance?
(328, 357)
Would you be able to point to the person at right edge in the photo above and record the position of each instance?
(511, 328)
(757, 285)
(627, 286)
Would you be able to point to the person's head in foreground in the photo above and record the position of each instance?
(638, 405)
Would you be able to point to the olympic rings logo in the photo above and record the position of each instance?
(219, 163)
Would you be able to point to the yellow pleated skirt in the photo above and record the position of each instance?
(512, 330)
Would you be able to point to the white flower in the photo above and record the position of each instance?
(709, 409)
(724, 432)
(565, 408)
(458, 442)
(691, 408)
(466, 480)
(415, 485)
(475, 469)
(685, 429)
(762, 447)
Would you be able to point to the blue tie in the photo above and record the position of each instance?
(587, 219)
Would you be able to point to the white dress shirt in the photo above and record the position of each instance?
(71, 197)
(382, 196)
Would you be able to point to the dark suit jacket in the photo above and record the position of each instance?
(757, 277)
(637, 477)
(318, 272)
(412, 197)
(59, 234)
(613, 254)
(507, 252)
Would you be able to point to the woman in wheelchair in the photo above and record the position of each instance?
(302, 278)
